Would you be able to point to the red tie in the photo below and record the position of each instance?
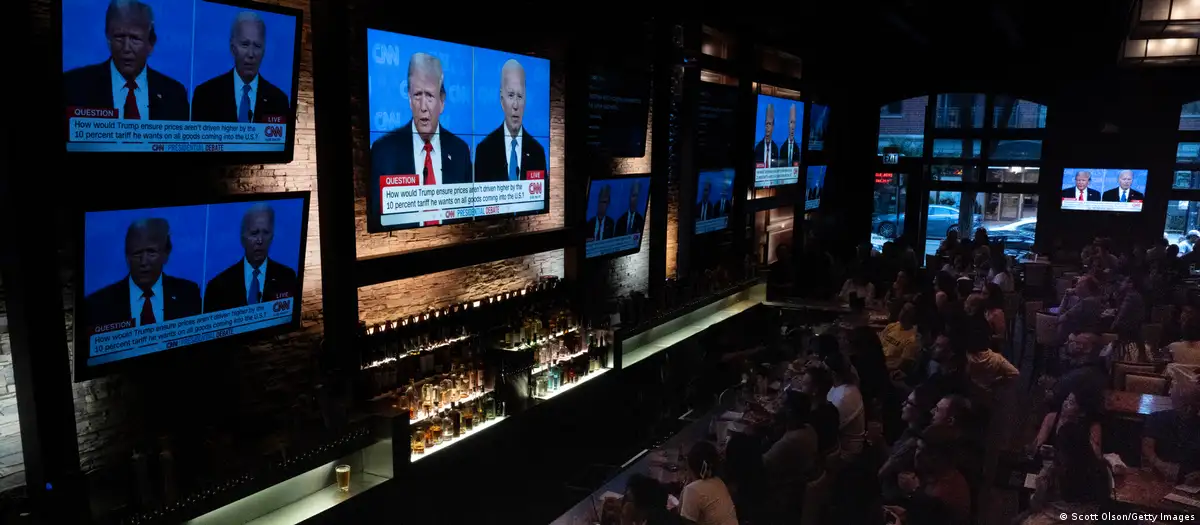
(430, 180)
(131, 107)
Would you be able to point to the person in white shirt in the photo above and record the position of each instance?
(860, 287)
(706, 501)
(848, 400)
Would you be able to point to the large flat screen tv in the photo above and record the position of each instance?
(818, 124)
(713, 200)
(618, 110)
(777, 141)
(814, 186)
(457, 133)
(616, 215)
(213, 78)
(157, 279)
(1103, 189)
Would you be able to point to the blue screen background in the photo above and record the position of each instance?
(104, 244)
(818, 122)
(720, 179)
(1104, 179)
(782, 112)
(618, 200)
(225, 235)
(212, 57)
(84, 42)
(816, 177)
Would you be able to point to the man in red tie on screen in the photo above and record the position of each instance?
(601, 227)
(1080, 191)
(241, 94)
(422, 147)
(124, 81)
(766, 152)
(146, 295)
(256, 278)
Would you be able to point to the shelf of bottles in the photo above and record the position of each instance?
(447, 427)
(565, 362)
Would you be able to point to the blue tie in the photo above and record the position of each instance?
(252, 296)
(1123, 196)
(512, 161)
(244, 112)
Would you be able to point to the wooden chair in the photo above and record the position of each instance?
(1121, 368)
(1147, 383)
(1162, 314)
(815, 496)
(1047, 336)
(1152, 334)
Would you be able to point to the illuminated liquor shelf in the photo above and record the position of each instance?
(569, 386)
(472, 397)
(542, 368)
(445, 445)
(551, 337)
(422, 350)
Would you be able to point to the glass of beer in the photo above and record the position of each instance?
(343, 477)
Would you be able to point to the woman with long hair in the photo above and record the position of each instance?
(706, 501)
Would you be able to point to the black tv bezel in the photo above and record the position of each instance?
(84, 372)
(1061, 209)
(363, 114)
(733, 198)
(582, 227)
(200, 158)
(804, 153)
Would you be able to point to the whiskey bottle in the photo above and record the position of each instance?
(427, 430)
(455, 421)
(468, 417)
(418, 441)
(489, 408)
(447, 427)
(435, 428)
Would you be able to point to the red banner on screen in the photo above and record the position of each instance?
(79, 111)
(387, 181)
(535, 174)
(272, 119)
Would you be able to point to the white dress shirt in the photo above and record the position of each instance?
(419, 154)
(248, 273)
(237, 93)
(787, 155)
(136, 301)
(508, 138)
(141, 95)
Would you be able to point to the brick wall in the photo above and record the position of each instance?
(272, 369)
(912, 121)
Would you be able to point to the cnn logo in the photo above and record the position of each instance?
(273, 131)
(535, 188)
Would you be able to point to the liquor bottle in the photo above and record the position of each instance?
(455, 420)
(435, 428)
(447, 427)
(427, 430)
(468, 417)
(489, 408)
(413, 398)
(418, 441)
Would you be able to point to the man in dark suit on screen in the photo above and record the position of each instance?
(631, 221)
(241, 94)
(1080, 191)
(766, 152)
(422, 147)
(124, 81)
(601, 227)
(724, 205)
(256, 278)
(789, 152)
(704, 208)
(509, 152)
(146, 295)
(1124, 191)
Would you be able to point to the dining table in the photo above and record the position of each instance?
(1147, 491)
(1134, 405)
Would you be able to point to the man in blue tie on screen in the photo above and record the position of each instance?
(600, 227)
(256, 278)
(242, 94)
(1124, 191)
(509, 152)
(146, 295)
(704, 208)
(631, 222)
(789, 153)
(125, 82)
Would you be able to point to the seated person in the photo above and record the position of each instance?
(1131, 311)
(745, 476)
(944, 368)
(1171, 438)
(706, 501)
(999, 274)
(901, 292)
(791, 463)
(1080, 407)
(1186, 351)
(1085, 310)
(1076, 482)
(917, 413)
(645, 503)
(901, 342)
(993, 311)
(937, 492)
(858, 285)
(988, 369)
(1081, 370)
(815, 383)
(845, 395)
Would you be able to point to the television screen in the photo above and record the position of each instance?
(155, 279)
(713, 200)
(618, 111)
(777, 152)
(818, 122)
(179, 76)
(814, 186)
(456, 132)
(715, 125)
(616, 215)
(1103, 189)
